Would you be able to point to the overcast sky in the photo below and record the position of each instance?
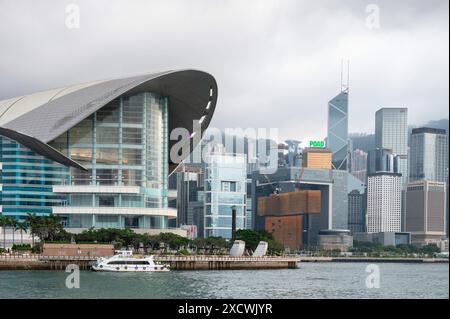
(277, 63)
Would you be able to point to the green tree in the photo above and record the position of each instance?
(12, 222)
(23, 227)
(211, 245)
(32, 220)
(47, 228)
(253, 237)
(173, 241)
(430, 249)
(3, 224)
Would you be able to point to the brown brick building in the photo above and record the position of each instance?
(284, 214)
(317, 158)
(95, 250)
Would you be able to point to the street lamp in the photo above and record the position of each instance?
(233, 221)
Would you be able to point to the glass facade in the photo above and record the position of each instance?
(225, 187)
(122, 144)
(358, 167)
(340, 200)
(356, 213)
(429, 155)
(382, 160)
(26, 181)
(391, 132)
(337, 139)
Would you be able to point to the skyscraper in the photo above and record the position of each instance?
(384, 197)
(225, 186)
(425, 206)
(428, 155)
(356, 213)
(391, 132)
(189, 193)
(358, 167)
(381, 160)
(337, 138)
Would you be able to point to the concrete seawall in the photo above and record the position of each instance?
(225, 262)
(388, 260)
(38, 262)
(23, 265)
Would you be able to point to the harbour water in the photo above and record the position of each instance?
(311, 280)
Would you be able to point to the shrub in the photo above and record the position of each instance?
(185, 252)
(21, 247)
(37, 249)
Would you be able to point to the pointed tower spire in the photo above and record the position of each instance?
(345, 86)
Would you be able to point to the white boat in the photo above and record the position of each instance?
(123, 261)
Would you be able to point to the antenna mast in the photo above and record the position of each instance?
(348, 75)
(345, 86)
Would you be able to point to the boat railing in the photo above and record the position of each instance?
(19, 256)
(80, 258)
(224, 258)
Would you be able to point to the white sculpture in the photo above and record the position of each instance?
(238, 248)
(261, 250)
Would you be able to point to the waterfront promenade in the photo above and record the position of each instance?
(217, 262)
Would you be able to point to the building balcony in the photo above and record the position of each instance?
(97, 189)
(69, 210)
(149, 231)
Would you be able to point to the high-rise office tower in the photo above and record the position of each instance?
(428, 155)
(189, 193)
(425, 206)
(356, 212)
(381, 160)
(358, 166)
(391, 132)
(225, 183)
(337, 138)
(384, 198)
(362, 141)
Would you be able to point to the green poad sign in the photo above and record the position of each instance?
(319, 144)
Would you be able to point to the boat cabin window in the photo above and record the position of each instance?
(128, 262)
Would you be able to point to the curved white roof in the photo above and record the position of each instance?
(13, 108)
(46, 115)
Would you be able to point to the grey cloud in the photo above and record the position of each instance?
(277, 63)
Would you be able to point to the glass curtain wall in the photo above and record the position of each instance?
(225, 188)
(122, 144)
(26, 181)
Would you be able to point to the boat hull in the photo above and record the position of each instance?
(129, 269)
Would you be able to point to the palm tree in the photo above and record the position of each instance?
(13, 224)
(31, 220)
(23, 228)
(3, 223)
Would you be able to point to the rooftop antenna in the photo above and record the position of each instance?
(345, 86)
(348, 75)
